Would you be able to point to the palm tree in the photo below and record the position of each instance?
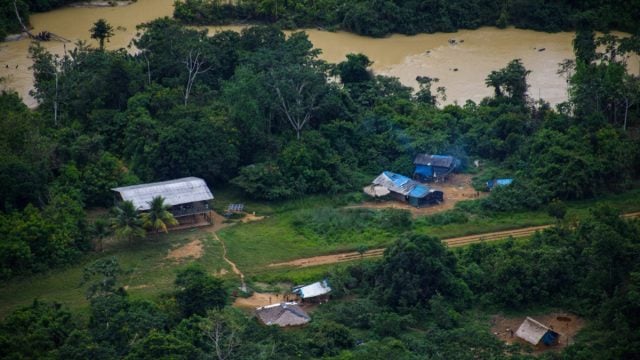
(126, 223)
(100, 31)
(100, 231)
(158, 216)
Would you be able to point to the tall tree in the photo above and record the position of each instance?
(101, 31)
(510, 81)
(158, 216)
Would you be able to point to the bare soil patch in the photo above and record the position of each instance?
(251, 218)
(193, 250)
(566, 324)
(257, 300)
(456, 189)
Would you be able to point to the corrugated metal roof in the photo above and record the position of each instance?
(174, 192)
(446, 161)
(401, 184)
(313, 290)
(532, 331)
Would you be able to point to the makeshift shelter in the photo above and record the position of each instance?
(535, 333)
(498, 182)
(434, 167)
(316, 292)
(188, 197)
(283, 314)
(404, 189)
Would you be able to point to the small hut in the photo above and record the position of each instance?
(535, 333)
(317, 292)
(402, 188)
(189, 198)
(434, 167)
(283, 314)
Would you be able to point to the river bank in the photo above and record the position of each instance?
(461, 66)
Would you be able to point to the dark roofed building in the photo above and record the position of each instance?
(283, 314)
(434, 167)
(188, 197)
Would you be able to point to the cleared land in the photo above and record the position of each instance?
(150, 268)
(566, 324)
(453, 242)
(456, 189)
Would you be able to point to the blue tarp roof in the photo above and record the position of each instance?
(424, 170)
(406, 186)
(419, 191)
(499, 182)
(397, 179)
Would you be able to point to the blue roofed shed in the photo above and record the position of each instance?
(404, 189)
(434, 167)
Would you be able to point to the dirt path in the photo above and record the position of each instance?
(234, 267)
(451, 242)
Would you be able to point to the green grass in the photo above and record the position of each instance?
(148, 274)
(254, 245)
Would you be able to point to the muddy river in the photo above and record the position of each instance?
(461, 66)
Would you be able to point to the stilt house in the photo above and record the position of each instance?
(189, 198)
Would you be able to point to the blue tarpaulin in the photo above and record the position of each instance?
(419, 191)
(424, 170)
(498, 182)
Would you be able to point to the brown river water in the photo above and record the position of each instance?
(461, 67)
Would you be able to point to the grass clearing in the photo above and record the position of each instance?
(289, 236)
(147, 272)
(311, 226)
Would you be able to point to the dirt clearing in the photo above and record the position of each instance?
(193, 250)
(257, 300)
(457, 188)
(566, 324)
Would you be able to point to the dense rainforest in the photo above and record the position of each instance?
(382, 17)
(260, 111)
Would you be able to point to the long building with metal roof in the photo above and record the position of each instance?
(188, 196)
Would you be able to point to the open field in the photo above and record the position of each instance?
(149, 265)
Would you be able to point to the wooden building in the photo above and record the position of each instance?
(188, 197)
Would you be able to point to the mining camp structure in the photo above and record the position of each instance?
(188, 197)
(282, 314)
(318, 292)
(535, 333)
(434, 168)
(402, 188)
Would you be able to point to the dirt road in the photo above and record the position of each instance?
(452, 242)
